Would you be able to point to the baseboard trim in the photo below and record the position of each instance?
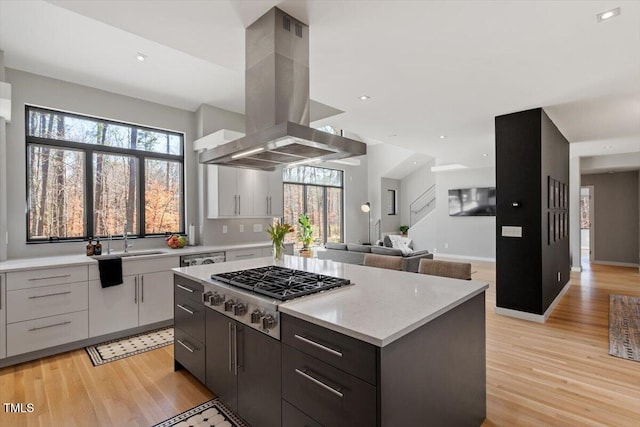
(467, 257)
(615, 264)
(532, 317)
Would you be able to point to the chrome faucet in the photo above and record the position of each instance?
(126, 240)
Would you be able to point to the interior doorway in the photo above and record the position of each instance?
(587, 224)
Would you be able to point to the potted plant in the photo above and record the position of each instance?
(404, 229)
(277, 233)
(306, 232)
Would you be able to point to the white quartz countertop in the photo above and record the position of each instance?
(381, 305)
(74, 260)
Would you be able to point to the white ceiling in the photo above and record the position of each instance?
(431, 67)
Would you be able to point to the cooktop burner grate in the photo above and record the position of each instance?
(280, 283)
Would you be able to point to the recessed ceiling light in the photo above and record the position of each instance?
(608, 14)
(364, 97)
(415, 163)
(484, 154)
(443, 136)
(141, 57)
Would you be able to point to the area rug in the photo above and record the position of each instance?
(113, 350)
(209, 414)
(624, 327)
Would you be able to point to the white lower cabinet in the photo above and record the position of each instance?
(3, 317)
(45, 308)
(143, 298)
(36, 334)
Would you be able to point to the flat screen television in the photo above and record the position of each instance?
(478, 201)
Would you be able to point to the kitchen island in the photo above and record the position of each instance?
(394, 348)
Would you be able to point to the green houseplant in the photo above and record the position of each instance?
(306, 232)
(404, 229)
(277, 233)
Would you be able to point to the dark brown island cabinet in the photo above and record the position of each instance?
(433, 376)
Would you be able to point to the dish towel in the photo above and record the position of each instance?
(110, 271)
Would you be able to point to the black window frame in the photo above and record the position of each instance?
(89, 150)
(324, 200)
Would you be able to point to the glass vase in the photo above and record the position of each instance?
(278, 250)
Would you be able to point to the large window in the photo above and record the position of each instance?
(318, 192)
(88, 177)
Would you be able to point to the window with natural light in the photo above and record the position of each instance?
(87, 177)
(317, 192)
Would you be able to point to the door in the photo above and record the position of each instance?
(227, 191)
(259, 378)
(221, 356)
(3, 311)
(261, 193)
(114, 308)
(246, 178)
(156, 297)
(275, 194)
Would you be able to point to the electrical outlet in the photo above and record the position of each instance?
(224, 229)
(257, 228)
(242, 228)
(446, 246)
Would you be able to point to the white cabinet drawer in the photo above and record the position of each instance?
(243, 254)
(46, 277)
(34, 303)
(32, 335)
(131, 266)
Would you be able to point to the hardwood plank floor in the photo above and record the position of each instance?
(553, 374)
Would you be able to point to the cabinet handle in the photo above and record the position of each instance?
(141, 288)
(267, 204)
(49, 295)
(135, 290)
(0, 292)
(270, 206)
(191, 350)
(320, 383)
(184, 308)
(185, 288)
(318, 345)
(235, 204)
(235, 350)
(50, 326)
(245, 255)
(239, 204)
(230, 350)
(49, 277)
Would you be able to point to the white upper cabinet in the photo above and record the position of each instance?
(236, 192)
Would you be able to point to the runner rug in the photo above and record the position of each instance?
(113, 350)
(209, 414)
(624, 327)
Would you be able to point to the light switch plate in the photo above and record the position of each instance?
(511, 231)
(257, 228)
(242, 228)
(224, 229)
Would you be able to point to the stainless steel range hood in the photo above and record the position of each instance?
(277, 103)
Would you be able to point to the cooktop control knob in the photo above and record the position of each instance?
(268, 322)
(216, 299)
(206, 297)
(256, 316)
(239, 309)
(228, 305)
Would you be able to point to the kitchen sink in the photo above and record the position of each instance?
(129, 254)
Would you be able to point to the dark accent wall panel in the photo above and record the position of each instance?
(529, 150)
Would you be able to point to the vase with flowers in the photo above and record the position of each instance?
(277, 233)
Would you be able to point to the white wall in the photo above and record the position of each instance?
(389, 223)
(472, 236)
(412, 186)
(42, 91)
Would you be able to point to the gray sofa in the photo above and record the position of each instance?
(352, 253)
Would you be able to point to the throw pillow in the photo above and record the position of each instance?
(387, 242)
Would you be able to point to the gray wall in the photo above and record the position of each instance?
(616, 218)
(412, 186)
(472, 236)
(32, 89)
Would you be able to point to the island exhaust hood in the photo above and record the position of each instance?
(277, 103)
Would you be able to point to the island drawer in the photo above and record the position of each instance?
(293, 417)
(189, 316)
(349, 354)
(189, 352)
(45, 301)
(326, 394)
(187, 288)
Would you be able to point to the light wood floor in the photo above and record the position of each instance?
(553, 374)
